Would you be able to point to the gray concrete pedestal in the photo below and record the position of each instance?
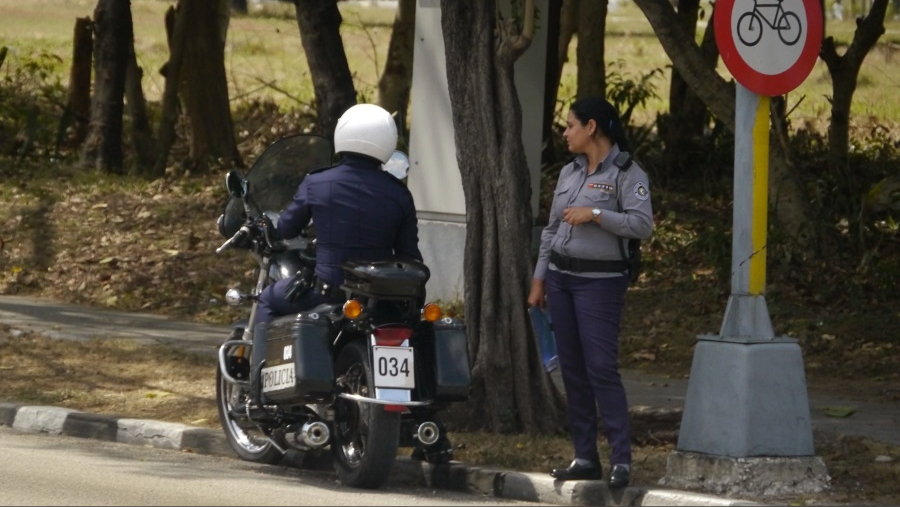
(746, 421)
(739, 477)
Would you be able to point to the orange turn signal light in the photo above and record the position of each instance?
(432, 312)
(352, 309)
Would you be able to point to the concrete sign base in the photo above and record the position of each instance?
(765, 476)
(746, 400)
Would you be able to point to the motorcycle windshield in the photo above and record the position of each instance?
(274, 177)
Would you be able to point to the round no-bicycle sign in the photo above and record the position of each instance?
(769, 46)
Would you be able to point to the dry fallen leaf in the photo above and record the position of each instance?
(839, 411)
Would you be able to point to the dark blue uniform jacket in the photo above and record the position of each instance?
(359, 212)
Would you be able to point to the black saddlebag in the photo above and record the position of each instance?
(386, 279)
(448, 349)
(298, 365)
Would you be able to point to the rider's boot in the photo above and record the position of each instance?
(252, 406)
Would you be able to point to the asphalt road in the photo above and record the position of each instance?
(42, 469)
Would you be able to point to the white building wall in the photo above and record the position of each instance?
(434, 177)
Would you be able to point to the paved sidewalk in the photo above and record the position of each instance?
(647, 393)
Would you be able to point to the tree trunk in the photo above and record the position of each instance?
(396, 80)
(844, 72)
(78, 103)
(511, 390)
(591, 46)
(141, 134)
(568, 27)
(176, 31)
(682, 128)
(113, 35)
(785, 195)
(782, 170)
(320, 33)
(552, 76)
(203, 89)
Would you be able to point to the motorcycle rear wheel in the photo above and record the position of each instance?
(366, 437)
(248, 442)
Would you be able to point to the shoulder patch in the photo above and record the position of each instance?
(641, 191)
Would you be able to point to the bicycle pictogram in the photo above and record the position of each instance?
(786, 23)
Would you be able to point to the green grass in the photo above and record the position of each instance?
(264, 52)
(264, 55)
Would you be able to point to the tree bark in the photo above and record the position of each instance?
(203, 89)
(684, 125)
(176, 31)
(511, 391)
(687, 59)
(844, 72)
(141, 133)
(396, 80)
(591, 47)
(320, 32)
(113, 36)
(78, 102)
(568, 27)
(557, 16)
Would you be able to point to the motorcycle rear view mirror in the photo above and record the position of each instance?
(397, 165)
(236, 184)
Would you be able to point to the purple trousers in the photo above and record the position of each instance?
(586, 313)
(272, 302)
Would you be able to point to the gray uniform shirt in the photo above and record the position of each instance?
(599, 190)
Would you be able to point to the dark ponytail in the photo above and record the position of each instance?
(606, 116)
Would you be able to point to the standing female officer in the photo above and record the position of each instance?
(601, 200)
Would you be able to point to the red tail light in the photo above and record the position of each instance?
(391, 336)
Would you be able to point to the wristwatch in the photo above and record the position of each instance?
(595, 213)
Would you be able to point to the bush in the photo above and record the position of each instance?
(31, 103)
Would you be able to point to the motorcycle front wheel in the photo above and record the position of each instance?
(366, 437)
(246, 438)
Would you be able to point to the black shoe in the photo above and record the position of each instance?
(576, 472)
(619, 476)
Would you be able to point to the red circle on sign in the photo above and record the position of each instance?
(753, 79)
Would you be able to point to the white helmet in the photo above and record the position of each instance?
(367, 129)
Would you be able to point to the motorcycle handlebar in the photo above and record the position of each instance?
(242, 233)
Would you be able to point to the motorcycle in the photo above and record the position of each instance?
(362, 378)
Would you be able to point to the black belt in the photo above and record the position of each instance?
(329, 291)
(577, 265)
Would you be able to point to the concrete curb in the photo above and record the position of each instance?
(456, 476)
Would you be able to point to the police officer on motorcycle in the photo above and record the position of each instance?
(359, 212)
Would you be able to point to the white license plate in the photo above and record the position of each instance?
(394, 367)
(278, 377)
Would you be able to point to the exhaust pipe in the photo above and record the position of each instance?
(428, 433)
(314, 434)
